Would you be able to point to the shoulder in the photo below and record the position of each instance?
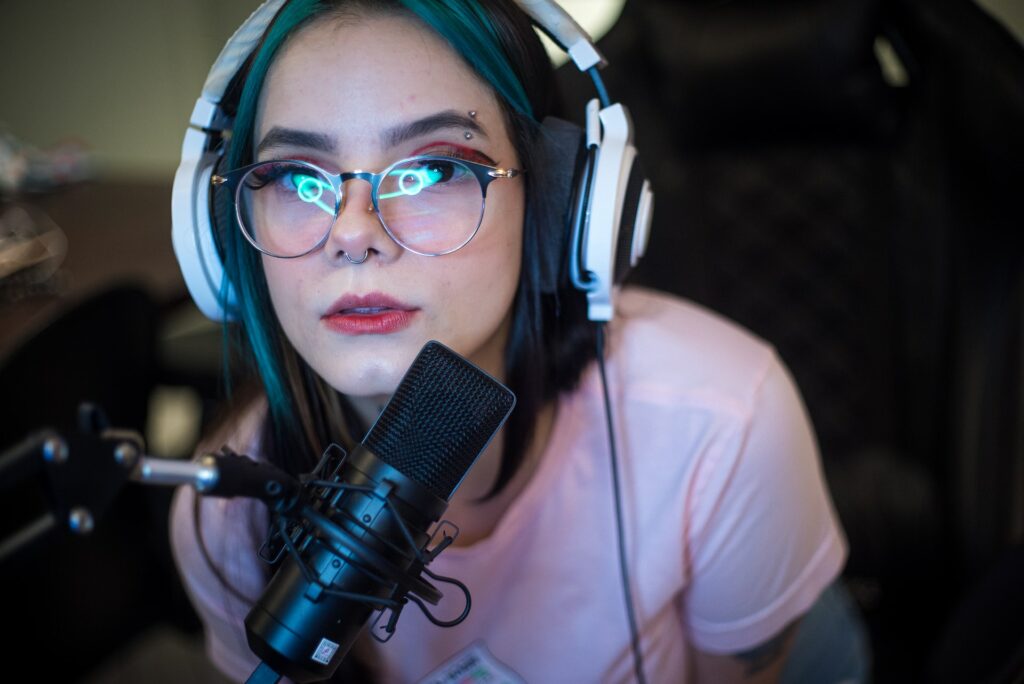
(692, 381)
(212, 537)
(241, 431)
(718, 429)
(215, 541)
(667, 346)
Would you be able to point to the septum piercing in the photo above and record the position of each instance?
(366, 255)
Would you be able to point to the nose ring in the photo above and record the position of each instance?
(360, 260)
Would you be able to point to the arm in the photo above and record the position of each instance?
(232, 530)
(760, 665)
(764, 544)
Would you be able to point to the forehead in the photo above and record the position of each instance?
(353, 76)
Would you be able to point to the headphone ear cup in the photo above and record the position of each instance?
(222, 207)
(557, 158)
(192, 232)
(613, 212)
(634, 222)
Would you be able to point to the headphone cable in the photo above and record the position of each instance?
(638, 664)
(602, 91)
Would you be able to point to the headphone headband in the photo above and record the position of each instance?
(563, 29)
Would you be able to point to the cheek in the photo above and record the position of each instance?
(277, 276)
(503, 241)
(487, 275)
(512, 247)
(285, 283)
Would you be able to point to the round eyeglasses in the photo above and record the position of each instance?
(429, 205)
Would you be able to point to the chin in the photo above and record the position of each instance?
(375, 375)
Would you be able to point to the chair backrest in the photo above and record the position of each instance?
(870, 227)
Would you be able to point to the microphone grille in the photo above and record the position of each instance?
(443, 414)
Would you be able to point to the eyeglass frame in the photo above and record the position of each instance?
(485, 174)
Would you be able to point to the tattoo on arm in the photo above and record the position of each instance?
(763, 656)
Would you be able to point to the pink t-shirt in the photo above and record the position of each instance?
(729, 527)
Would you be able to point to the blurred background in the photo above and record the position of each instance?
(843, 177)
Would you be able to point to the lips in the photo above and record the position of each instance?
(371, 314)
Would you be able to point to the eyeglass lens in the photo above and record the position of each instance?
(428, 205)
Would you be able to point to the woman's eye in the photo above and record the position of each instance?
(269, 173)
(414, 176)
(290, 178)
(307, 187)
(436, 171)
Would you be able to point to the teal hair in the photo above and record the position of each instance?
(469, 30)
(259, 323)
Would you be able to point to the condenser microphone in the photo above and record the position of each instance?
(360, 544)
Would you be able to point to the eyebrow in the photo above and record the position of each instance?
(392, 137)
(449, 118)
(289, 137)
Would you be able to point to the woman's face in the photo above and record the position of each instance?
(359, 95)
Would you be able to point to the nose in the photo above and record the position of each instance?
(357, 234)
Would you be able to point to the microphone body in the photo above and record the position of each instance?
(365, 535)
(293, 613)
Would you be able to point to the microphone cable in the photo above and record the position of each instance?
(634, 634)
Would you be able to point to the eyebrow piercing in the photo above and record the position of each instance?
(472, 113)
(467, 135)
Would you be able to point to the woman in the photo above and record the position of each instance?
(730, 532)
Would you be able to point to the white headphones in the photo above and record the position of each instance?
(610, 199)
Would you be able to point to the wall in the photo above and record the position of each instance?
(120, 75)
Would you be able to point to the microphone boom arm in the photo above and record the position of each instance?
(78, 476)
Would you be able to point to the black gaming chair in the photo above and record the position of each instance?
(864, 216)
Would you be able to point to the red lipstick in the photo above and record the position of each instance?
(370, 314)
